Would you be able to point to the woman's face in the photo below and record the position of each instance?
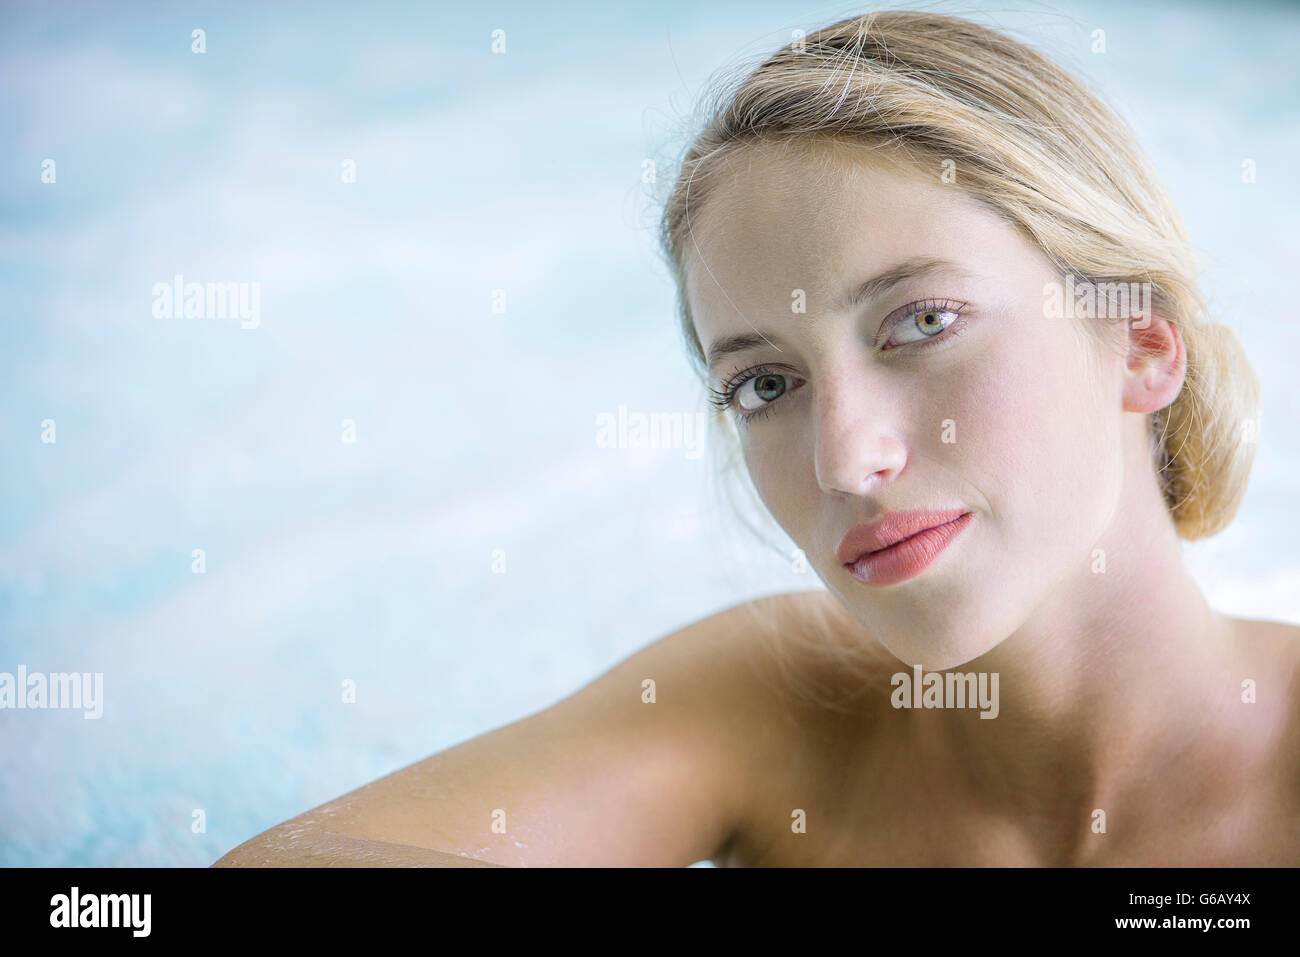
(949, 389)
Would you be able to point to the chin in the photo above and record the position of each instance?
(933, 631)
(936, 652)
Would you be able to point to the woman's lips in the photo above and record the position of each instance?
(908, 558)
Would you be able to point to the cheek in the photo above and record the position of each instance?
(1042, 445)
(774, 470)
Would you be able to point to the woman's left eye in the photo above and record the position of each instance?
(924, 321)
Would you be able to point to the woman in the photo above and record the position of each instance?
(953, 321)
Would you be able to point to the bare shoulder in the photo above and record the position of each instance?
(1267, 630)
(1273, 645)
(801, 656)
(664, 759)
(743, 697)
(818, 658)
(809, 696)
(1271, 653)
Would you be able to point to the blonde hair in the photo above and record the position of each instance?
(1030, 143)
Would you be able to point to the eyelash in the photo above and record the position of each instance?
(724, 397)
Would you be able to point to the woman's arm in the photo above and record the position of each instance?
(606, 777)
(313, 847)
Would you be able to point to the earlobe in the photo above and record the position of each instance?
(1156, 365)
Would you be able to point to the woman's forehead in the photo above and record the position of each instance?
(763, 242)
(829, 182)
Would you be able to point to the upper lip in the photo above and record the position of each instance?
(890, 529)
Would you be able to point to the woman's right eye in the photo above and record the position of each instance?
(760, 390)
(751, 393)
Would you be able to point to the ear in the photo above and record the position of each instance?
(1156, 364)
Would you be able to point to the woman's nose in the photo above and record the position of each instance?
(856, 452)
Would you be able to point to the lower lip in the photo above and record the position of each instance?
(907, 558)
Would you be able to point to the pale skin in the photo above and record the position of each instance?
(1120, 691)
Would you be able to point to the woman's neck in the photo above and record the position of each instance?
(1117, 677)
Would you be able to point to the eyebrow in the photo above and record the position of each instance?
(875, 287)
